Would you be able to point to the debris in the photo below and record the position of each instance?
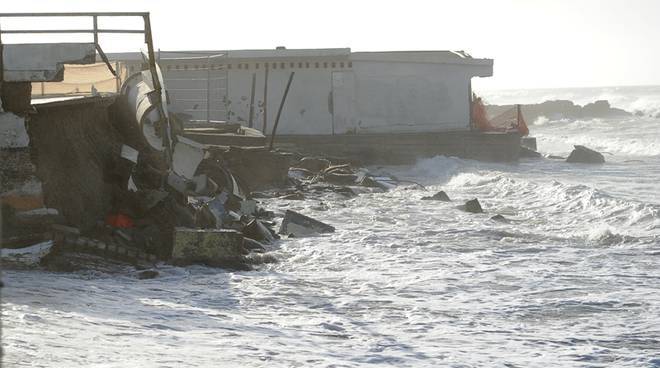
(440, 196)
(253, 245)
(119, 220)
(248, 207)
(300, 173)
(256, 230)
(25, 257)
(299, 225)
(313, 164)
(212, 247)
(528, 153)
(39, 216)
(147, 274)
(472, 206)
(585, 155)
(296, 196)
(339, 178)
(129, 153)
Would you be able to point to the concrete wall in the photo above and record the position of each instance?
(410, 97)
(308, 106)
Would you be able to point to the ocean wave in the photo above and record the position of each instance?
(570, 206)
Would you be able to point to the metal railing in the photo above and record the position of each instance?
(95, 31)
(156, 93)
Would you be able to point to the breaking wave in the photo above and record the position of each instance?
(630, 137)
(550, 205)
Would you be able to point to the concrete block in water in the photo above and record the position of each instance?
(298, 225)
(213, 247)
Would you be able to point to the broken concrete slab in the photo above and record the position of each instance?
(43, 62)
(582, 154)
(212, 247)
(299, 225)
(12, 131)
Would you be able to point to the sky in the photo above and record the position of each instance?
(535, 43)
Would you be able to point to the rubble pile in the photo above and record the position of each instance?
(97, 177)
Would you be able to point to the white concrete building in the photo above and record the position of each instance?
(334, 91)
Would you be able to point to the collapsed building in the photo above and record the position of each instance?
(158, 156)
(112, 172)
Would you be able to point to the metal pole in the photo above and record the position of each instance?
(208, 89)
(96, 27)
(263, 129)
(279, 111)
(254, 81)
(165, 124)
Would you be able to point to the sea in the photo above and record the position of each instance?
(570, 278)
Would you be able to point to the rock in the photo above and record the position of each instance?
(499, 218)
(440, 196)
(147, 274)
(585, 155)
(313, 164)
(472, 206)
(528, 153)
(555, 157)
(298, 225)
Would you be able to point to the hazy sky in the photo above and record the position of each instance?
(535, 43)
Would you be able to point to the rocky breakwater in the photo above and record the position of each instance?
(562, 109)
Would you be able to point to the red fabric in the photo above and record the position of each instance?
(119, 220)
(479, 116)
(522, 125)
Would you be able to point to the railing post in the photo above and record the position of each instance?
(96, 29)
(208, 89)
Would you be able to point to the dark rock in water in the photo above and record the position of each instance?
(499, 218)
(440, 196)
(147, 274)
(528, 153)
(555, 157)
(472, 206)
(602, 108)
(585, 155)
(313, 164)
(298, 225)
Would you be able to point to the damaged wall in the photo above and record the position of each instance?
(74, 146)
